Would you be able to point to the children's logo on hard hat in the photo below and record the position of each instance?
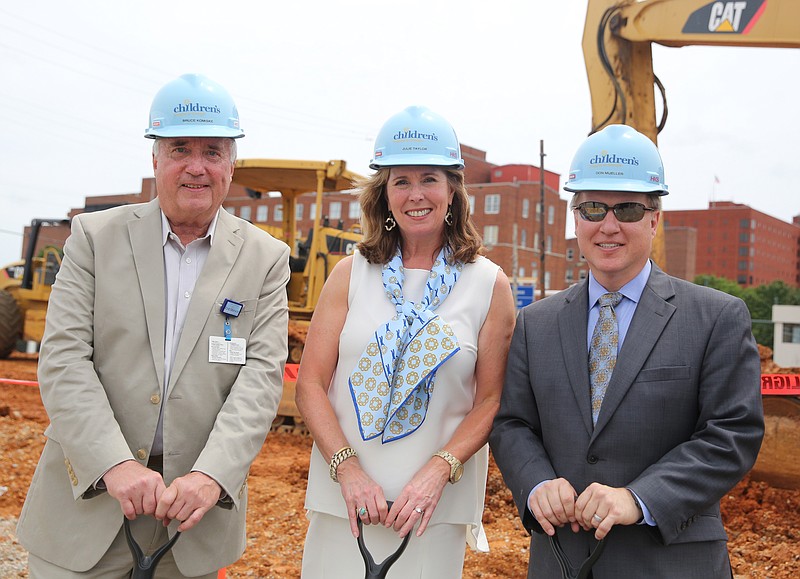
(156, 123)
(378, 153)
(414, 135)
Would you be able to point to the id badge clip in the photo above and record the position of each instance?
(228, 350)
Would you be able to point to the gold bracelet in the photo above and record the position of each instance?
(338, 458)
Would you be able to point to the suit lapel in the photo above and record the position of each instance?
(221, 258)
(145, 237)
(653, 312)
(572, 321)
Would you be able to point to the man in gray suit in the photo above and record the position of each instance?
(642, 457)
(162, 362)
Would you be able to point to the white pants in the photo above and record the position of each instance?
(331, 551)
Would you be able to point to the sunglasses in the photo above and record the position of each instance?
(624, 212)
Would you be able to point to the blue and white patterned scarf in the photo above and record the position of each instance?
(393, 380)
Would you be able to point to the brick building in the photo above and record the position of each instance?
(502, 198)
(736, 242)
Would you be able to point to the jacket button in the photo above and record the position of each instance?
(141, 454)
(592, 459)
(155, 399)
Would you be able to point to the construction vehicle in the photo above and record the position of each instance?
(617, 49)
(25, 289)
(312, 258)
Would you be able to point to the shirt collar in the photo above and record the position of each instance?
(631, 290)
(166, 229)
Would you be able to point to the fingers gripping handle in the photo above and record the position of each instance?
(144, 566)
(378, 570)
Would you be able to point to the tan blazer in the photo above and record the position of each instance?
(101, 372)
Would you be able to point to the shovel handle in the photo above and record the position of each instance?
(144, 566)
(568, 569)
(378, 570)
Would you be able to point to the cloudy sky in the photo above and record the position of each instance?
(315, 79)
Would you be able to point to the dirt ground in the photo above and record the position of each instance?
(763, 522)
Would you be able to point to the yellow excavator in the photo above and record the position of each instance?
(312, 258)
(617, 49)
(25, 289)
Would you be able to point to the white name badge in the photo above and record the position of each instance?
(222, 351)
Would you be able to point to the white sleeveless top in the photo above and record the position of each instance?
(393, 464)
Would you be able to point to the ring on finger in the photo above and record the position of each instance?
(597, 518)
(362, 512)
(418, 510)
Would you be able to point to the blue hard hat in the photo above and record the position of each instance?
(193, 105)
(416, 136)
(618, 158)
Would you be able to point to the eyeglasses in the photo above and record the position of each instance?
(624, 212)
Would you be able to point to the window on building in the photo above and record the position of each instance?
(492, 204)
(744, 223)
(312, 211)
(742, 265)
(244, 213)
(262, 212)
(582, 274)
(490, 234)
(523, 238)
(549, 244)
(570, 254)
(536, 241)
(521, 272)
(335, 210)
(472, 204)
(354, 210)
(298, 211)
(538, 210)
(744, 237)
(741, 279)
(570, 274)
(547, 280)
(791, 333)
(526, 207)
(743, 250)
(278, 215)
(551, 214)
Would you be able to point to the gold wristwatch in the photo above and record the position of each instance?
(456, 468)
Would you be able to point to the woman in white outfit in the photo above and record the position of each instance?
(403, 368)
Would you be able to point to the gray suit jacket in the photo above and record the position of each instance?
(101, 372)
(681, 424)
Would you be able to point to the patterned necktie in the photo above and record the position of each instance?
(603, 350)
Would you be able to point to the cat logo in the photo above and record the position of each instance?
(732, 17)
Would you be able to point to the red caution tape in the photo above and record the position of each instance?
(20, 382)
(290, 372)
(780, 384)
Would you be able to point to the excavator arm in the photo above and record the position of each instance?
(617, 48)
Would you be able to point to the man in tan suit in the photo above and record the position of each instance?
(161, 365)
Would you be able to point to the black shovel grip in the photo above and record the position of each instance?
(144, 566)
(378, 570)
(570, 571)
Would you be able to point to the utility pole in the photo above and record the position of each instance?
(514, 262)
(541, 219)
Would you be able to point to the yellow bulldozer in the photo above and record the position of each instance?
(312, 258)
(25, 290)
(617, 49)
